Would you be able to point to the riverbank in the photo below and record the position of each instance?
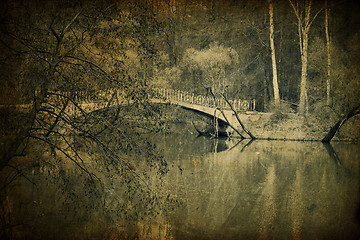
(278, 125)
(291, 126)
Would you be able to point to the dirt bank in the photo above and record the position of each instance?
(293, 126)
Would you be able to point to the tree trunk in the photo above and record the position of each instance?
(238, 118)
(222, 112)
(304, 23)
(339, 123)
(328, 81)
(303, 82)
(273, 57)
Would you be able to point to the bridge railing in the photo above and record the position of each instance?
(191, 98)
(81, 101)
(101, 99)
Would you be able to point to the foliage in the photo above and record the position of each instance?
(317, 71)
(68, 52)
(278, 117)
(213, 62)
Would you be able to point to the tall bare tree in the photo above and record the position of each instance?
(328, 80)
(305, 20)
(273, 56)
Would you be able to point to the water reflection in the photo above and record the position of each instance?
(213, 189)
(269, 190)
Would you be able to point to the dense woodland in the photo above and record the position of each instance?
(187, 45)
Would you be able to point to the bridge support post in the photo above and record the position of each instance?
(253, 105)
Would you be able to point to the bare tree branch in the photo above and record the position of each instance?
(237, 118)
(19, 173)
(63, 32)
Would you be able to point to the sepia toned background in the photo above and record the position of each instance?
(101, 136)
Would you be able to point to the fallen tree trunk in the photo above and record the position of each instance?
(238, 118)
(342, 120)
(222, 112)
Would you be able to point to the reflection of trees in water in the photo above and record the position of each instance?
(332, 154)
(259, 188)
(267, 201)
(66, 198)
(121, 184)
(217, 145)
(349, 171)
(297, 206)
(282, 189)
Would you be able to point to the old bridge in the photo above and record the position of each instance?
(208, 106)
(201, 104)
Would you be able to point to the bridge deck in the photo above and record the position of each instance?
(203, 104)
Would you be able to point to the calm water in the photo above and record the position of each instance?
(211, 189)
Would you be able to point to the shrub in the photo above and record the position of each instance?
(278, 117)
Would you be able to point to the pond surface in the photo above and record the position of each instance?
(212, 188)
(265, 190)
